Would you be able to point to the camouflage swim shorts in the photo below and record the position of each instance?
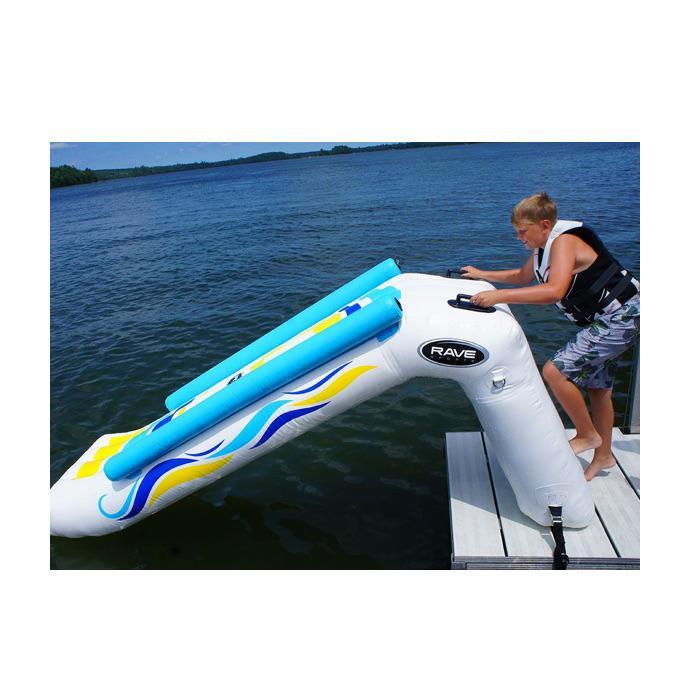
(588, 359)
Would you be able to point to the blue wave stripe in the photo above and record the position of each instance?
(206, 452)
(321, 381)
(254, 426)
(163, 421)
(283, 420)
(123, 509)
(149, 481)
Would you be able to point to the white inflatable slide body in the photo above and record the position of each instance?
(409, 325)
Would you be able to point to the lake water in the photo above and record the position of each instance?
(155, 279)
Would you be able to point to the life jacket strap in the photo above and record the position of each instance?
(584, 312)
(623, 286)
(597, 286)
(560, 559)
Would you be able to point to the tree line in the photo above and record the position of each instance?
(68, 175)
(65, 175)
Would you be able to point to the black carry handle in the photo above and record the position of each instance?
(455, 272)
(462, 302)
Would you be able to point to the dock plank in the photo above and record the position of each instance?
(475, 527)
(617, 504)
(524, 537)
(626, 451)
(589, 542)
(481, 526)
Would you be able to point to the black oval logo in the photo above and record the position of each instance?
(453, 353)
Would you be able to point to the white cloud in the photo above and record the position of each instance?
(57, 145)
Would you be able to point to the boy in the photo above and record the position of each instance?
(577, 273)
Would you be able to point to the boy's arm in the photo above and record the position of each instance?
(519, 276)
(561, 271)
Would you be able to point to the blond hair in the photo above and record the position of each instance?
(535, 208)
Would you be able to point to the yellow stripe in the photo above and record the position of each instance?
(111, 448)
(270, 352)
(337, 386)
(263, 358)
(186, 474)
(327, 322)
(317, 328)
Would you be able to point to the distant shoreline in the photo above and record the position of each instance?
(67, 175)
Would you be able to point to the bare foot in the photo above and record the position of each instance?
(598, 464)
(583, 443)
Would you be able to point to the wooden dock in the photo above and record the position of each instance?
(490, 532)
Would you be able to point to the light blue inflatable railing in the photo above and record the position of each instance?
(377, 319)
(303, 320)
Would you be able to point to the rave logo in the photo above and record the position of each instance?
(453, 353)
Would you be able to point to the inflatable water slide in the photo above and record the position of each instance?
(378, 330)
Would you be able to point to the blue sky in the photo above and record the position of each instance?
(130, 154)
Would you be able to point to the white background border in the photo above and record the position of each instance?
(362, 72)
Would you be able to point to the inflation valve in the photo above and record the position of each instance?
(499, 378)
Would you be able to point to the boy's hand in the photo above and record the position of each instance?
(485, 299)
(468, 272)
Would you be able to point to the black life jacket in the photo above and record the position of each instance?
(604, 284)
